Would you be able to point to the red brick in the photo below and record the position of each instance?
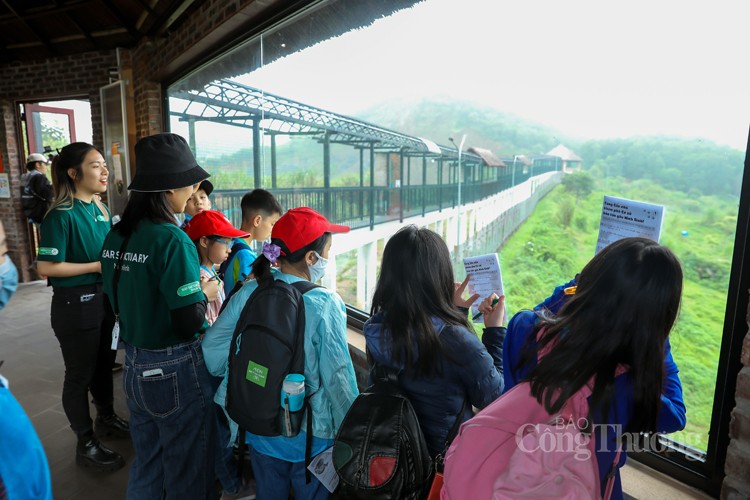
(738, 460)
(743, 384)
(739, 424)
(735, 489)
(745, 357)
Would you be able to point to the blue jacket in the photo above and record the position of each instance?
(329, 373)
(23, 464)
(474, 374)
(671, 416)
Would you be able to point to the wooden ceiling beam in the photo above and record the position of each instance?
(23, 21)
(112, 9)
(38, 12)
(168, 17)
(146, 7)
(83, 31)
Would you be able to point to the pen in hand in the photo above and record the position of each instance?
(479, 315)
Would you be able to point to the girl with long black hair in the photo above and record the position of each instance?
(420, 328)
(625, 303)
(73, 232)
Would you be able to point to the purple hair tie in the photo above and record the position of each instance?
(271, 252)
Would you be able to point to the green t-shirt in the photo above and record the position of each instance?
(160, 272)
(74, 235)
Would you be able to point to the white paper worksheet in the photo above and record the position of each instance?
(322, 467)
(485, 278)
(623, 218)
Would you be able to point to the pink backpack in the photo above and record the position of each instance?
(515, 449)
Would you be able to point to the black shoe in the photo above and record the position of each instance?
(112, 426)
(91, 453)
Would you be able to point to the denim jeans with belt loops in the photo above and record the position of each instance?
(169, 396)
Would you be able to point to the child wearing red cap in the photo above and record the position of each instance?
(212, 234)
(299, 248)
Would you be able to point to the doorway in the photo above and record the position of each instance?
(46, 128)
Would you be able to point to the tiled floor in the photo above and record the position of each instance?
(34, 367)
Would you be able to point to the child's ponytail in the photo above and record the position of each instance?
(262, 270)
(262, 265)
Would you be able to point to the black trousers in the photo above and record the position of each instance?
(85, 335)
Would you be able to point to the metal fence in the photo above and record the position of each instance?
(364, 206)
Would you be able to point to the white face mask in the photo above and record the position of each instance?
(317, 270)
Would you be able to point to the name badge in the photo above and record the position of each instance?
(115, 335)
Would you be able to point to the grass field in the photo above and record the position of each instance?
(560, 237)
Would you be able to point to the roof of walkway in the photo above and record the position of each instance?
(233, 103)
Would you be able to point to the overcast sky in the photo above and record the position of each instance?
(590, 68)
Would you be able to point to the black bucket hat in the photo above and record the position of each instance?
(164, 162)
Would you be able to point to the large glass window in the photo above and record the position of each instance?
(500, 125)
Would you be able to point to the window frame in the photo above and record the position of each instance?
(706, 475)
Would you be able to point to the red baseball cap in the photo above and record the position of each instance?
(212, 222)
(299, 227)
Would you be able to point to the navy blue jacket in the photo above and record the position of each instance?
(473, 373)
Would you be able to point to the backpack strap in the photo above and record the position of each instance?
(303, 287)
(382, 374)
(580, 399)
(439, 459)
(308, 441)
(33, 186)
(611, 475)
(232, 252)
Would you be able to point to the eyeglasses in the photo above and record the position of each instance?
(225, 241)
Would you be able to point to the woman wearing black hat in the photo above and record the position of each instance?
(151, 276)
(72, 235)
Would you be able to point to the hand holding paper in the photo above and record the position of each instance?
(484, 271)
(458, 291)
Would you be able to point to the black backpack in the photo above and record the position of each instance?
(267, 344)
(225, 265)
(33, 204)
(380, 451)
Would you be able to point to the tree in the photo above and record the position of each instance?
(579, 184)
(54, 135)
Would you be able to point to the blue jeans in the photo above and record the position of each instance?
(172, 419)
(274, 477)
(226, 466)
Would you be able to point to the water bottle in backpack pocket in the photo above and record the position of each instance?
(292, 404)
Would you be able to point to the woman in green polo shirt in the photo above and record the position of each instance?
(152, 278)
(73, 231)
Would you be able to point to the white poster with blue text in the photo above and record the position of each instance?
(623, 218)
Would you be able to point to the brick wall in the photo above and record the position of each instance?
(10, 209)
(34, 81)
(737, 468)
(150, 62)
(156, 59)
